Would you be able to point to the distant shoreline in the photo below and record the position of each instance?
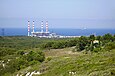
(59, 31)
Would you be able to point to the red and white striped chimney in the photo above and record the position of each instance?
(28, 28)
(33, 26)
(42, 27)
(46, 26)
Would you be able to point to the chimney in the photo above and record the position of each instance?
(46, 26)
(28, 28)
(33, 26)
(42, 27)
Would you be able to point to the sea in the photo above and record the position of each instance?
(58, 31)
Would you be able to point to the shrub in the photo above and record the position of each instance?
(20, 52)
(49, 58)
(37, 56)
(96, 49)
(6, 51)
(83, 41)
(110, 46)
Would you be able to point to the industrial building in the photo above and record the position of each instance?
(46, 33)
(42, 33)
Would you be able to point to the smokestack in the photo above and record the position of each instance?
(46, 26)
(42, 27)
(33, 26)
(28, 28)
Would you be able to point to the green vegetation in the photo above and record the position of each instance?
(17, 53)
(59, 43)
(81, 64)
(96, 44)
(84, 56)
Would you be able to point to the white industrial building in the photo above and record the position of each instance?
(42, 33)
(46, 33)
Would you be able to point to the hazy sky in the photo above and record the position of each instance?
(59, 13)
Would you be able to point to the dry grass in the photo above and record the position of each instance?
(60, 52)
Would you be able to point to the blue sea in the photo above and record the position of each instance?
(65, 32)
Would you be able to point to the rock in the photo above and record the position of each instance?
(28, 74)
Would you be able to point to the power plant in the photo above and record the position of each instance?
(44, 34)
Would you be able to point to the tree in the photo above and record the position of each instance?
(108, 37)
(114, 37)
(82, 42)
(92, 37)
(110, 46)
(37, 56)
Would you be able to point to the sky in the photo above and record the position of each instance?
(59, 13)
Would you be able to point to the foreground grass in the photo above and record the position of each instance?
(81, 64)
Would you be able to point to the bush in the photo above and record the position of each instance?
(23, 61)
(110, 46)
(6, 51)
(107, 38)
(21, 52)
(49, 58)
(112, 72)
(82, 42)
(37, 56)
(96, 49)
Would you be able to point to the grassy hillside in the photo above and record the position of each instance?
(63, 62)
(58, 57)
(19, 52)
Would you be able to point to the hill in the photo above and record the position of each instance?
(64, 62)
(67, 63)
(84, 56)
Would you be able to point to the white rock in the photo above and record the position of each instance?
(69, 72)
(37, 73)
(31, 73)
(72, 73)
(3, 65)
(28, 74)
(17, 75)
(21, 74)
(8, 59)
